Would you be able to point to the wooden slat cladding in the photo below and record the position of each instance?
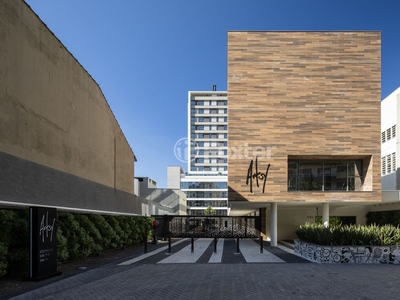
(303, 94)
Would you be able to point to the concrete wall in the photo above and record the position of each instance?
(303, 95)
(174, 177)
(54, 115)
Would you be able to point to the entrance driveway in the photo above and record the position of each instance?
(160, 275)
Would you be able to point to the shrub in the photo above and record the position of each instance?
(107, 233)
(349, 235)
(70, 228)
(3, 260)
(78, 236)
(119, 237)
(62, 246)
(382, 218)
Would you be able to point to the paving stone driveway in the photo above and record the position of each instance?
(145, 279)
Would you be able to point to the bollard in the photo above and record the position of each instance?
(261, 244)
(192, 243)
(145, 244)
(215, 245)
(169, 244)
(154, 238)
(237, 245)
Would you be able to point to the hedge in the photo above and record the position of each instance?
(349, 235)
(78, 236)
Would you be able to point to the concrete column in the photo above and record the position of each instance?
(325, 214)
(274, 224)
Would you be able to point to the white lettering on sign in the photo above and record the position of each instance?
(46, 228)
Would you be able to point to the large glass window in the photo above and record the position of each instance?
(204, 185)
(206, 194)
(324, 175)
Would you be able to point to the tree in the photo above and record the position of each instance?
(210, 211)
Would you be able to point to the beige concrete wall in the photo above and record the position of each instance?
(52, 112)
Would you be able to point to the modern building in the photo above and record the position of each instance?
(390, 118)
(305, 109)
(162, 201)
(205, 183)
(208, 132)
(390, 141)
(203, 191)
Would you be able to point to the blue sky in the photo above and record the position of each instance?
(147, 54)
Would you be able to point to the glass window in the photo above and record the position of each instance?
(354, 176)
(292, 176)
(335, 176)
(394, 161)
(310, 176)
(384, 165)
(325, 175)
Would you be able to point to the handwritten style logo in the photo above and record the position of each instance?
(257, 176)
(46, 228)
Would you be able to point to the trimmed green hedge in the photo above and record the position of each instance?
(381, 218)
(78, 236)
(349, 235)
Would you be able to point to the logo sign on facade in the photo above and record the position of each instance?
(43, 242)
(258, 176)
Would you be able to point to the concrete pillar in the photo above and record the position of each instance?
(325, 214)
(274, 224)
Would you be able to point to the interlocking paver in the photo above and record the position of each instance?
(146, 279)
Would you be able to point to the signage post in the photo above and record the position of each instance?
(42, 243)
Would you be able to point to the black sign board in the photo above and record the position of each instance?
(43, 243)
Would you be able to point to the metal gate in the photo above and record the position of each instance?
(207, 226)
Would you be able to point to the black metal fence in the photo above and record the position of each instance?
(207, 226)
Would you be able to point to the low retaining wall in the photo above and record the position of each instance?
(348, 254)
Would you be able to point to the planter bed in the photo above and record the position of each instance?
(347, 254)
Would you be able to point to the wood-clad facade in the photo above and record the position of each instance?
(298, 97)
